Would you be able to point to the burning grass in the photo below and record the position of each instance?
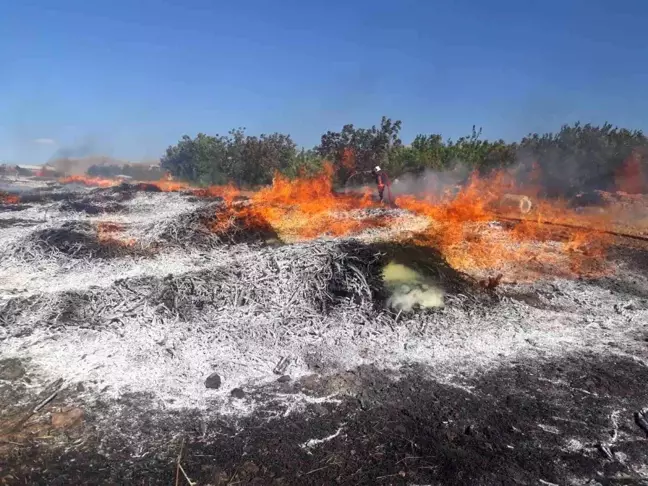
(291, 211)
(157, 327)
(6, 198)
(464, 228)
(217, 224)
(308, 208)
(89, 181)
(461, 224)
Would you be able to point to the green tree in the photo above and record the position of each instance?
(360, 149)
(577, 158)
(306, 163)
(265, 155)
(581, 157)
(425, 152)
(238, 158)
(198, 159)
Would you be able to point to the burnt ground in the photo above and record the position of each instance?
(565, 421)
(554, 374)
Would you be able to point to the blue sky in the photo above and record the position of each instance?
(128, 78)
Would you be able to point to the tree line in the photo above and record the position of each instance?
(139, 172)
(576, 158)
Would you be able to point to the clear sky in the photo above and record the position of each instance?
(128, 78)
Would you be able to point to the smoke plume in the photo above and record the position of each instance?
(77, 158)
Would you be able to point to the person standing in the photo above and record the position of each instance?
(383, 182)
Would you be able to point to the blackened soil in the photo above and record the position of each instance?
(13, 207)
(43, 197)
(79, 239)
(9, 222)
(84, 206)
(522, 424)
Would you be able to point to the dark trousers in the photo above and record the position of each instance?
(381, 194)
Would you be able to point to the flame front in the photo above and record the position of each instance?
(300, 209)
(308, 207)
(477, 234)
(489, 226)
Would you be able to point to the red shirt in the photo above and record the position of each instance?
(382, 179)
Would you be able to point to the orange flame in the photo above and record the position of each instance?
(473, 230)
(463, 228)
(308, 207)
(228, 193)
(9, 198)
(300, 209)
(171, 185)
(89, 181)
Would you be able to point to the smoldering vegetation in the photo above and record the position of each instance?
(72, 239)
(213, 225)
(87, 207)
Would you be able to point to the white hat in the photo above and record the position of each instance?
(377, 168)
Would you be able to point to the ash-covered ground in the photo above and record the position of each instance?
(118, 307)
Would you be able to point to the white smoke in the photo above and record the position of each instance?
(409, 289)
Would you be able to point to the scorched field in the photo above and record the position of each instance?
(164, 334)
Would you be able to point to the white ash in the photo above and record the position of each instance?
(269, 312)
(171, 359)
